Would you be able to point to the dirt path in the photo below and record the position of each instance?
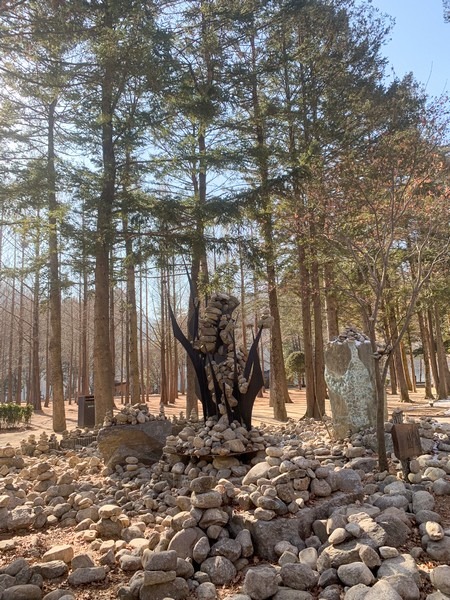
(262, 413)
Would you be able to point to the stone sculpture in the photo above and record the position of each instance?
(228, 381)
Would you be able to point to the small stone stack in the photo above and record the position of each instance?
(131, 414)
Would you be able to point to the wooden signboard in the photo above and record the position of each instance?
(406, 439)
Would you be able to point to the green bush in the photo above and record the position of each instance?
(12, 415)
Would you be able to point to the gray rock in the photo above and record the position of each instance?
(422, 500)
(440, 578)
(158, 577)
(373, 531)
(260, 582)
(349, 481)
(221, 571)
(355, 573)
(201, 550)
(145, 441)
(245, 540)
(337, 536)
(299, 577)
(128, 562)
(229, 548)
(58, 595)
(177, 589)
(87, 575)
(265, 534)
(369, 556)
(206, 591)
(183, 541)
(335, 556)
(308, 556)
(440, 550)
(52, 569)
(285, 593)
(422, 516)
(82, 561)
(257, 472)
(327, 578)
(397, 532)
(357, 592)
(185, 569)
(201, 485)
(350, 378)
(20, 518)
(159, 561)
(400, 565)
(395, 500)
(441, 487)
(22, 592)
(14, 567)
(405, 586)
(382, 591)
(211, 499)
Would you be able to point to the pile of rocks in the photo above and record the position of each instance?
(314, 508)
(131, 414)
(217, 437)
(351, 334)
(33, 447)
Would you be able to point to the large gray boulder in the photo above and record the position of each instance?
(350, 377)
(145, 441)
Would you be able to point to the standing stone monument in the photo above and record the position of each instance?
(350, 377)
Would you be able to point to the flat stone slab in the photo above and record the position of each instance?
(145, 441)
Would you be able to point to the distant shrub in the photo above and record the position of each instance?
(12, 415)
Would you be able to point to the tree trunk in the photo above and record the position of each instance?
(401, 379)
(278, 382)
(56, 373)
(35, 387)
(163, 386)
(103, 375)
(405, 367)
(331, 302)
(426, 355)
(440, 391)
(319, 359)
(305, 294)
(132, 314)
(20, 329)
(441, 354)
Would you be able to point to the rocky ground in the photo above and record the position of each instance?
(281, 512)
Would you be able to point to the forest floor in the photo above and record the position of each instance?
(262, 412)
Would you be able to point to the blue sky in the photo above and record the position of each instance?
(420, 42)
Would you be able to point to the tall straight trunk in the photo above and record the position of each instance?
(85, 386)
(122, 357)
(411, 361)
(35, 387)
(401, 379)
(127, 357)
(319, 358)
(331, 305)
(426, 355)
(444, 376)
(256, 319)
(11, 334)
(103, 375)
(279, 394)
(305, 294)
(191, 394)
(47, 360)
(173, 347)
(243, 312)
(141, 337)
(164, 384)
(147, 346)
(405, 367)
(112, 320)
(71, 355)
(440, 390)
(20, 330)
(132, 314)
(56, 373)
